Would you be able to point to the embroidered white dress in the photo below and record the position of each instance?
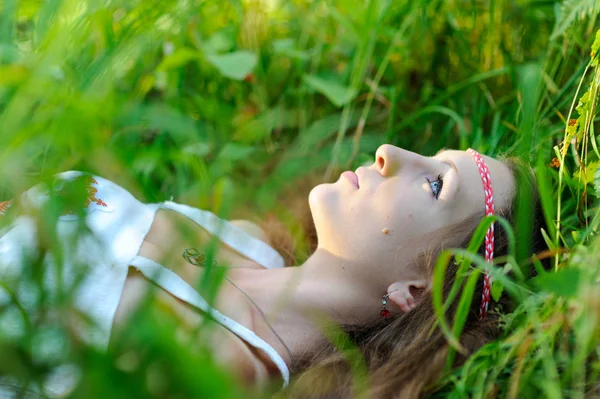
(119, 224)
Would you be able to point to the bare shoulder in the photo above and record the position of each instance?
(249, 365)
(235, 354)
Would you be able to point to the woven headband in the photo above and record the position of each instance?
(489, 235)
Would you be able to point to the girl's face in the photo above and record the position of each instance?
(399, 201)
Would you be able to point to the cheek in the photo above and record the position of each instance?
(405, 218)
(335, 209)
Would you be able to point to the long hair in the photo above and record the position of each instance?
(406, 356)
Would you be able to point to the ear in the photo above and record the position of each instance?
(407, 294)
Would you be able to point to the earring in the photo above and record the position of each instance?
(385, 313)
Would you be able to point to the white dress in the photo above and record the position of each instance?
(119, 223)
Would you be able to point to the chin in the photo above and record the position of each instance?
(322, 197)
(322, 201)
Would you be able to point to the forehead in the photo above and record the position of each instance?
(469, 178)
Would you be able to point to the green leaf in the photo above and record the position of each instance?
(497, 289)
(334, 91)
(198, 149)
(261, 127)
(169, 120)
(319, 131)
(590, 173)
(595, 47)
(288, 48)
(256, 129)
(564, 282)
(177, 59)
(236, 65)
(597, 182)
(572, 11)
(220, 42)
(351, 32)
(9, 53)
(12, 74)
(235, 152)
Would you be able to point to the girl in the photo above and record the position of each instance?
(379, 230)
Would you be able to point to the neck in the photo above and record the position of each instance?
(301, 300)
(338, 289)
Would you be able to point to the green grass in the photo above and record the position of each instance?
(226, 105)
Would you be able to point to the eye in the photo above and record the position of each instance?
(436, 186)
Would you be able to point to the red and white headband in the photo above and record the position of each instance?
(489, 235)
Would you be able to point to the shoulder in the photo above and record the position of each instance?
(246, 363)
(235, 354)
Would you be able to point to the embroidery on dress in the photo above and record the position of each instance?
(92, 202)
(92, 191)
(4, 206)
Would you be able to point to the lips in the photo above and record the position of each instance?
(352, 177)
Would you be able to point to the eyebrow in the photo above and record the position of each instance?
(447, 161)
(451, 163)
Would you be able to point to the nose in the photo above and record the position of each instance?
(389, 158)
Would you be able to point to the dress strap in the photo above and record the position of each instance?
(236, 238)
(176, 286)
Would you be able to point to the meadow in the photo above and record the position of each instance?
(233, 105)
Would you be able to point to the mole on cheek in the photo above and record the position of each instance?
(386, 231)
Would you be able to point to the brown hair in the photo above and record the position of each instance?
(406, 356)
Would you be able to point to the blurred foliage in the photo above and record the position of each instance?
(228, 105)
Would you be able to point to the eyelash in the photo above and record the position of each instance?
(440, 182)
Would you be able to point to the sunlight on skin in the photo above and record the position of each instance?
(395, 195)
